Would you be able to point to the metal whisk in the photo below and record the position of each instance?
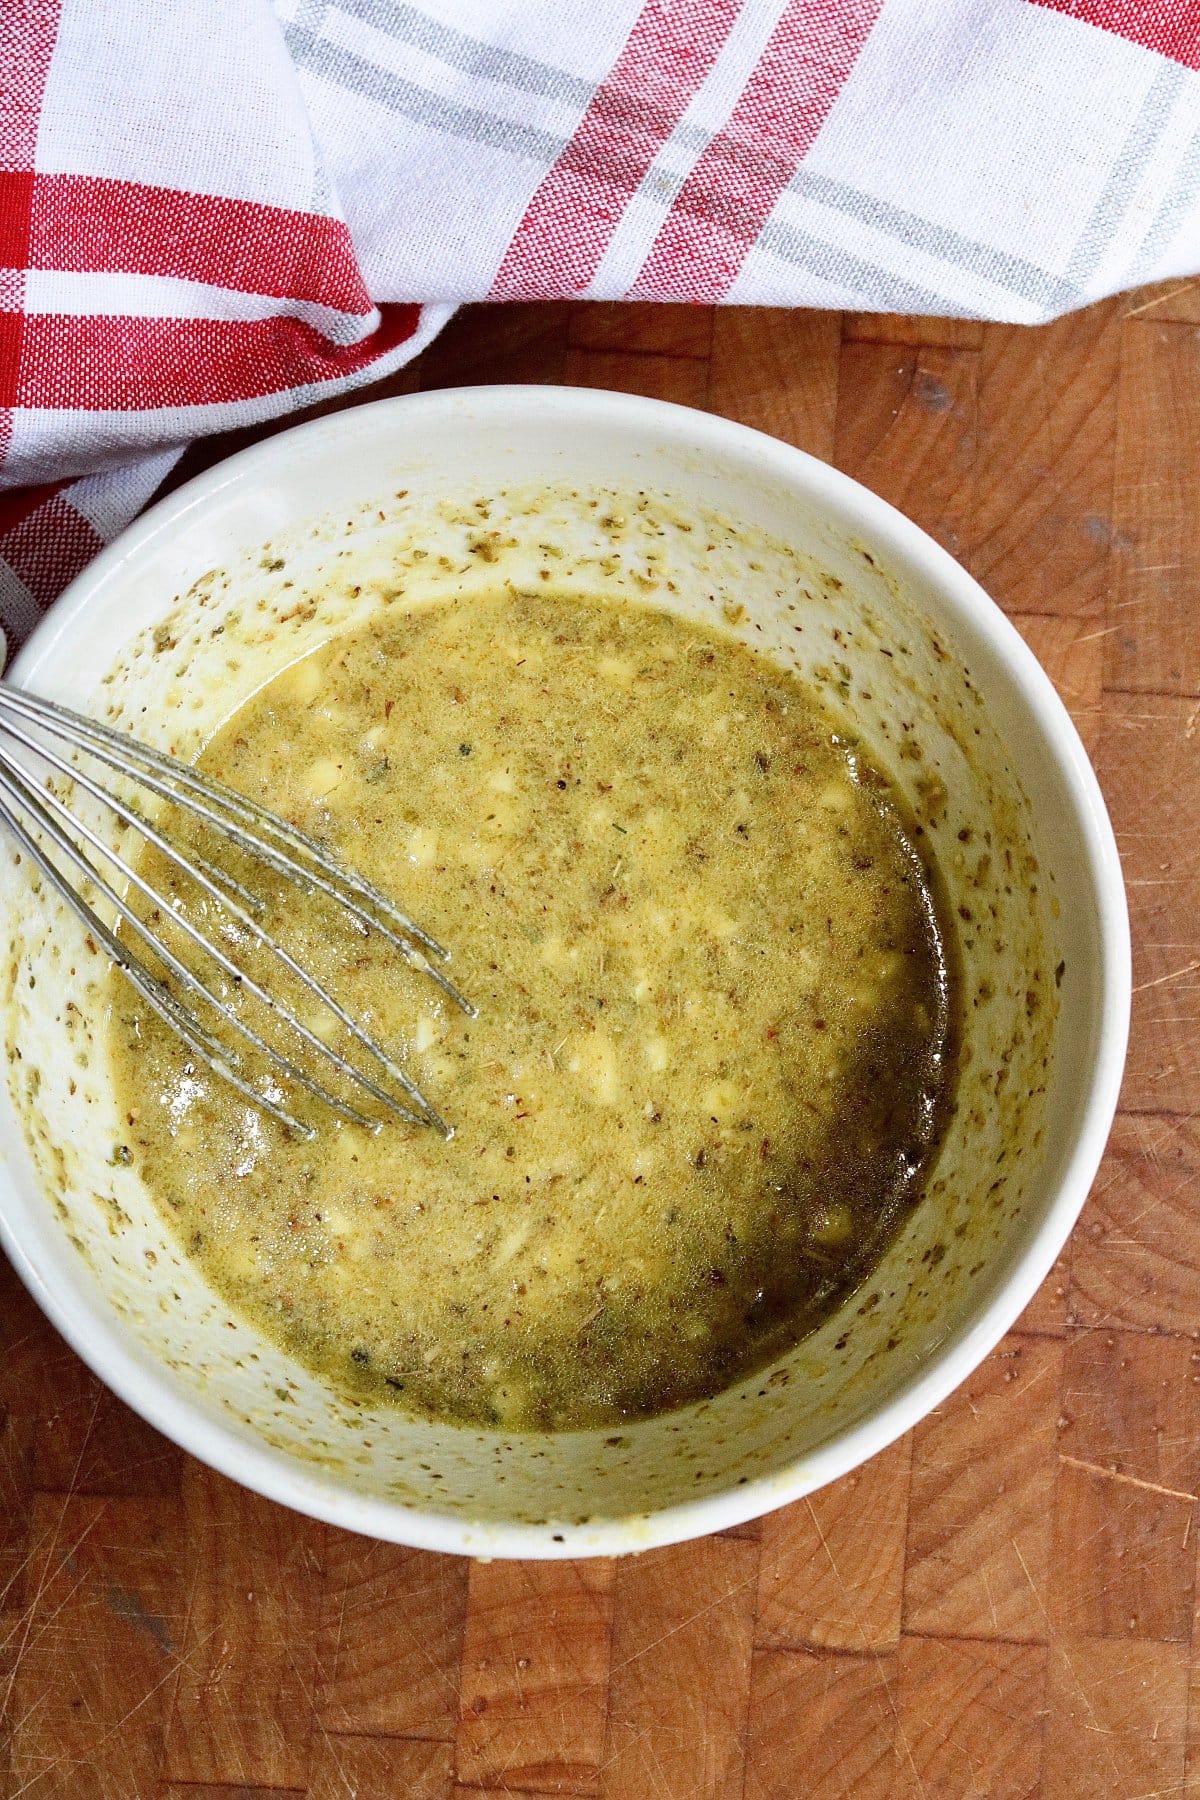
(41, 821)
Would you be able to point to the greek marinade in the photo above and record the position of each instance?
(715, 1048)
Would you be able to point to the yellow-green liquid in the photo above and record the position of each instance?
(714, 1051)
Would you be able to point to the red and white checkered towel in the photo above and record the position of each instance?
(215, 211)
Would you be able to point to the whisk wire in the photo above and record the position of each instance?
(131, 817)
(250, 828)
(156, 996)
(204, 797)
(62, 841)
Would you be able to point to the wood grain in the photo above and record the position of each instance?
(1166, 300)
(11, 1638)
(1137, 1252)
(244, 1701)
(1148, 761)
(679, 1681)
(668, 330)
(683, 379)
(1116, 1720)
(506, 1793)
(907, 424)
(1041, 531)
(535, 1673)
(778, 371)
(86, 1441)
(389, 1641)
(97, 1651)
(1156, 608)
(1003, 1607)
(1048, 1311)
(16, 1491)
(980, 1522)
(1127, 1444)
(969, 1718)
(379, 1768)
(61, 1430)
(207, 1790)
(1071, 650)
(912, 328)
(518, 343)
(821, 1725)
(824, 1581)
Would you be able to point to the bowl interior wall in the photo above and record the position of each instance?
(199, 615)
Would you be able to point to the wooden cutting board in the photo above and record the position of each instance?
(1004, 1604)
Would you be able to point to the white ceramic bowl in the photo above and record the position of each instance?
(184, 615)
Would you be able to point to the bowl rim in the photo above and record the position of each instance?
(95, 1332)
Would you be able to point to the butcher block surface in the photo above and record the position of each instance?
(1004, 1603)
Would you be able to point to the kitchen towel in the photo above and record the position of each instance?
(214, 212)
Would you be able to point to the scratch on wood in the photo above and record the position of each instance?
(44, 1576)
(709, 1606)
(1090, 637)
(1160, 299)
(1033, 1381)
(853, 1611)
(1150, 1487)
(1189, 968)
(64, 1761)
(1060, 1647)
